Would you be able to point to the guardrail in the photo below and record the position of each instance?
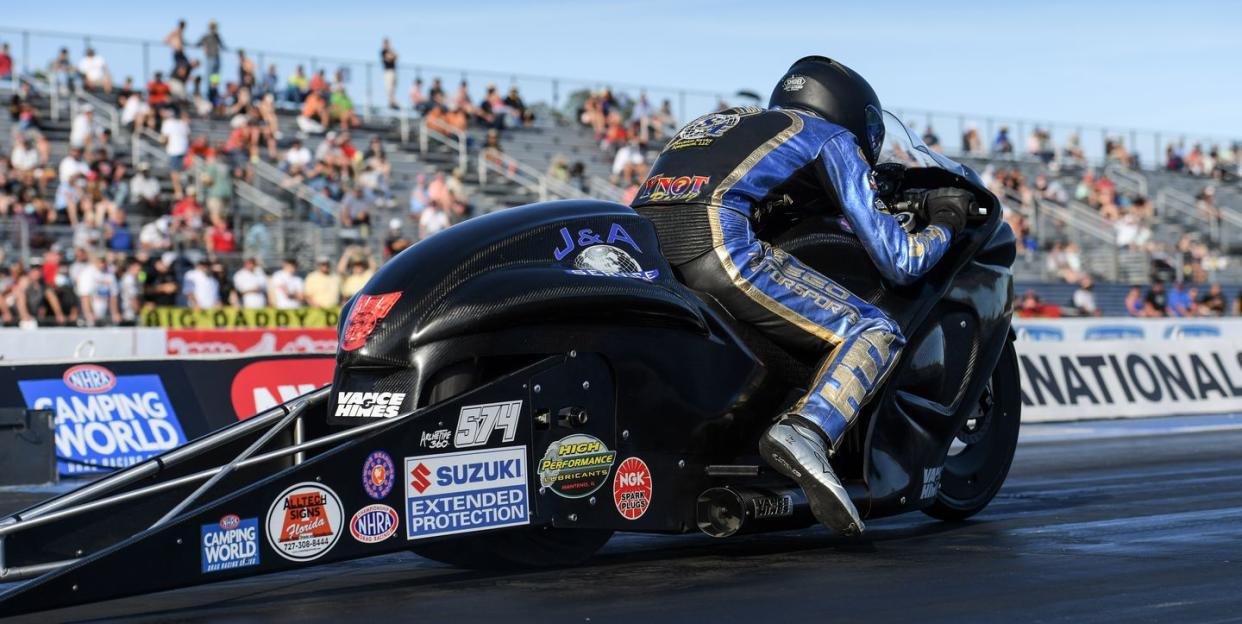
(524, 176)
(456, 142)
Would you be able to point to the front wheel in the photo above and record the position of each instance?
(980, 457)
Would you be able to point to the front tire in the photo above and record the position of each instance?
(525, 547)
(975, 473)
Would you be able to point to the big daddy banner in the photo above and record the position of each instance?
(1079, 379)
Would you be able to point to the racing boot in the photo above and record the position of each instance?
(795, 449)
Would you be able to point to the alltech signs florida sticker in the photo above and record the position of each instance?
(304, 522)
(631, 488)
(575, 466)
(468, 491)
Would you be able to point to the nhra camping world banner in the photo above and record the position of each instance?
(240, 318)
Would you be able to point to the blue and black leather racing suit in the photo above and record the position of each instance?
(703, 193)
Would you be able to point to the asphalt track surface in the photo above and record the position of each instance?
(1090, 527)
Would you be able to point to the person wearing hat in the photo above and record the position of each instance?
(322, 286)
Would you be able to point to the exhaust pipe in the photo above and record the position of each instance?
(727, 511)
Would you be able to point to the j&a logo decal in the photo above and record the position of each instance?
(373, 523)
(631, 488)
(378, 474)
(466, 491)
(231, 543)
(304, 522)
(575, 466)
(475, 423)
(368, 404)
(587, 237)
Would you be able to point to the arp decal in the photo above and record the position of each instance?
(231, 543)
(366, 313)
(378, 474)
(631, 488)
(466, 491)
(476, 423)
(368, 404)
(304, 522)
(660, 188)
(587, 237)
(373, 524)
(575, 466)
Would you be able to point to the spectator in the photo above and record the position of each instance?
(94, 71)
(83, 129)
(1180, 303)
(286, 289)
(217, 185)
(297, 86)
(395, 242)
(95, 286)
(1084, 298)
(129, 293)
(931, 139)
(1001, 144)
(323, 286)
(1135, 303)
(314, 118)
(356, 211)
(220, 239)
(1212, 302)
(297, 159)
(202, 291)
(629, 165)
(251, 284)
(187, 215)
(63, 71)
(361, 267)
(156, 236)
(159, 94)
(418, 100)
(212, 45)
(388, 58)
(341, 108)
(6, 62)
(1156, 301)
(160, 286)
(136, 113)
(418, 195)
(175, 40)
(433, 219)
(269, 83)
(518, 108)
(175, 135)
(144, 191)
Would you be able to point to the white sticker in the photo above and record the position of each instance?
(476, 423)
(304, 522)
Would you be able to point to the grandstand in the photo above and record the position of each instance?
(1120, 217)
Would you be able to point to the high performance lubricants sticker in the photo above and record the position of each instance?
(575, 466)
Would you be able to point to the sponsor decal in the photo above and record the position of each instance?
(869, 180)
(250, 341)
(378, 475)
(466, 491)
(1191, 331)
(373, 524)
(703, 131)
(437, 439)
(575, 466)
(931, 482)
(772, 507)
(304, 522)
(368, 404)
(1114, 332)
(475, 423)
(661, 188)
(587, 237)
(631, 488)
(239, 318)
(231, 543)
(646, 276)
(105, 419)
(793, 83)
(367, 311)
(260, 386)
(1039, 332)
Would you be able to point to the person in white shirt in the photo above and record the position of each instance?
(72, 165)
(136, 111)
(175, 135)
(251, 284)
(94, 72)
(96, 288)
(202, 291)
(286, 288)
(144, 189)
(155, 236)
(431, 220)
(298, 158)
(628, 166)
(25, 156)
(82, 130)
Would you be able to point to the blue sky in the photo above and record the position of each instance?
(1160, 65)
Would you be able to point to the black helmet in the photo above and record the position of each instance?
(836, 93)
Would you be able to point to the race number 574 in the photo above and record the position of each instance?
(476, 423)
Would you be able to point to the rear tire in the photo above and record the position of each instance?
(525, 547)
(973, 476)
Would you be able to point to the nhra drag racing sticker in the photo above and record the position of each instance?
(373, 524)
(468, 491)
(378, 474)
(575, 466)
(304, 522)
(105, 419)
(631, 488)
(231, 543)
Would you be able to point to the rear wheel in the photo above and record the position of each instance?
(527, 547)
(980, 457)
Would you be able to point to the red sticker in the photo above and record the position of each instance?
(631, 488)
(263, 385)
(366, 312)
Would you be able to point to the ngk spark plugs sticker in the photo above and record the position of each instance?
(231, 543)
(368, 404)
(631, 488)
(304, 522)
(373, 524)
(105, 419)
(575, 466)
(467, 491)
(378, 474)
(475, 423)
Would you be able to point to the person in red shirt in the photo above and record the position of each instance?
(220, 238)
(6, 62)
(318, 83)
(158, 92)
(187, 214)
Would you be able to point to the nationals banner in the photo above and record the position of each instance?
(1082, 379)
(1123, 328)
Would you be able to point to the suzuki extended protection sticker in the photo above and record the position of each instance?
(231, 543)
(378, 473)
(304, 522)
(575, 466)
(631, 488)
(467, 491)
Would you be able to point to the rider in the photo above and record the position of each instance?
(814, 145)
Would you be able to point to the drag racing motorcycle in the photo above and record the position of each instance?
(513, 390)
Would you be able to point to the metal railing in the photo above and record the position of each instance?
(525, 176)
(454, 139)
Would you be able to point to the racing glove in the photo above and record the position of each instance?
(948, 207)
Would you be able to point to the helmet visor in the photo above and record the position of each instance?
(875, 130)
